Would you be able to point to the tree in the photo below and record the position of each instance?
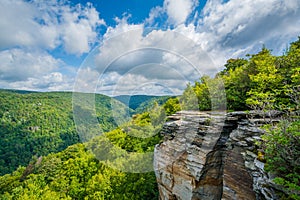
(282, 153)
(237, 83)
(267, 82)
(189, 100)
(172, 106)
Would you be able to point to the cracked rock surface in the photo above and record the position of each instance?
(210, 155)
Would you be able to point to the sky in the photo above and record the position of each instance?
(116, 47)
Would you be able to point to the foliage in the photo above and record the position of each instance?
(142, 133)
(189, 100)
(150, 103)
(82, 172)
(172, 106)
(197, 97)
(205, 94)
(282, 153)
(140, 103)
(76, 174)
(260, 82)
(237, 83)
(266, 81)
(40, 123)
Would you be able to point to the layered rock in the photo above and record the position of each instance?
(208, 155)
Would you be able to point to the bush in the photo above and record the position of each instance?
(282, 153)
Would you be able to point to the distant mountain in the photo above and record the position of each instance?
(17, 91)
(37, 123)
(141, 102)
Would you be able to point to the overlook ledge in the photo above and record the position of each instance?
(207, 155)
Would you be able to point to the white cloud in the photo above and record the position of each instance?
(31, 29)
(26, 70)
(179, 10)
(154, 13)
(132, 47)
(156, 60)
(54, 81)
(234, 29)
(18, 26)
(79, 28)
(234, 24)
(48, 24)
(132, 58)
(19, 65)
(225, 30)
(134, 84)
(86, 80)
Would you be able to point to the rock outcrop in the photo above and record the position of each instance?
(209, 155)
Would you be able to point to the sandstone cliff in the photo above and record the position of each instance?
(208, 155)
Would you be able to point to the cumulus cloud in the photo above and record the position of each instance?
(79, 28)
(236, 24)
(136, 57)
(33, 71)
(18, 26)
(114, 84)
(32, 29)
(135, 47)
(86, 80)
(19, 65)
(179, 10)
(176, 11)
(226, 29)
(48, 24)
(132, 58)
(54, 81)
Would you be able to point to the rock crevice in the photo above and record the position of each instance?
(208, 155)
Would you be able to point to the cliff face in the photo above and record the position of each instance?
(211, 156)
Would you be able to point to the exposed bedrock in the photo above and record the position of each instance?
(209, 155)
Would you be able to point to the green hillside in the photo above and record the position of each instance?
(82, 170)
(140, 103)
(35, 123)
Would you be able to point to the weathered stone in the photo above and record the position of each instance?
(209, 155)
(237, 181)
(250, 153)
(186, 158)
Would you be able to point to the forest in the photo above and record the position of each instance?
(43, 158)
(40, 123)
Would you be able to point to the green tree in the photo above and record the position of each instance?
(189, 100)
(237, 83)
(172, 106)
(266, 81)
(282, 153)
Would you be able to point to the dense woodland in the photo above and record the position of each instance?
(40, 123)
(35, 124)
(139, 103)
(78, 173)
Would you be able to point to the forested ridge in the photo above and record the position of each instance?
(262, 82)
(39, 123)
(139, 103)
(78, 173)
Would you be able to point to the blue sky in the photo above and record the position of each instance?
(105, 46)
